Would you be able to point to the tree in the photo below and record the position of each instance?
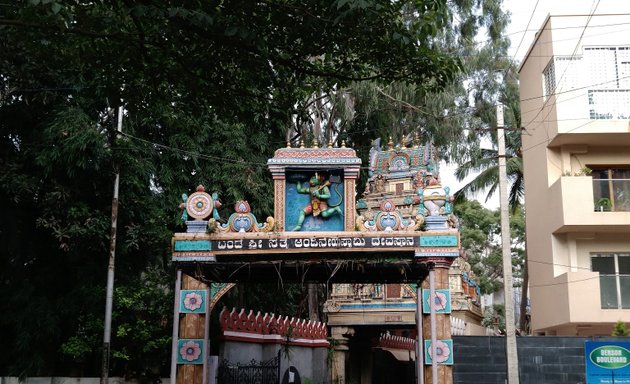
(494, 317)
(620, 329)
(480, 231)
(451, 115)
(479, 228)
(483, 162)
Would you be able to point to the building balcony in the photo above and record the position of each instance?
(595, 117)
(573, 300)
(576, 204)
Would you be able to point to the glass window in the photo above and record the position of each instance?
(614, 279)
(624, 279)
(611, 189)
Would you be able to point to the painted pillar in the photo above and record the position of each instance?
(349, 188)
(419, 339)
(340, 354)
(193, 344)
(443, 322)
(278, 211)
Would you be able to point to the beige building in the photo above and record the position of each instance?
(575, 106)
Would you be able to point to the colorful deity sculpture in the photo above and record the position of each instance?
(433, 198)
(319, 191)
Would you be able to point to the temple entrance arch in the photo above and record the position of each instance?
(316, 236)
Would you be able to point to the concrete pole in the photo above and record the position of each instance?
(419, 339)
(178, 285)
(434, 364)
(510, 329)
(109, 295)
(206, 337)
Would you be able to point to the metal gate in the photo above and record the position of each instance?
(254, 372)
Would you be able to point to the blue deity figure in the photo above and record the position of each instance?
(319, 192)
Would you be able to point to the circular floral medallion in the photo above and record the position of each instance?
(439, 302)
(190, 351)
(440, 352)
(193, 301)
(199, 205)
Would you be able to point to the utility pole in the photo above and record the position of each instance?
(510, 329)
(109, 296)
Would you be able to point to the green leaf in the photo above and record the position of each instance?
(56, 7)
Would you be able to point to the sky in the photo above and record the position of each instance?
(526, 18)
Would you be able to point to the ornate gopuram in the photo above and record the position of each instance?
(368, 319)
(398, 251)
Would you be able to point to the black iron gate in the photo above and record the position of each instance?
(254, 372)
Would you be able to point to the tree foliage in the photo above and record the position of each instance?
(480, 239)
(620, 329)
(483, 162)
(455, 117)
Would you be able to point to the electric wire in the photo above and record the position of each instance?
(526, 28)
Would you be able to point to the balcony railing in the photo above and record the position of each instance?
(609, 104)
(611, 195)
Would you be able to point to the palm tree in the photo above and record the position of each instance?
(484, 162)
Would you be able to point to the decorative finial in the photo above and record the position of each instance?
(315, 143)
(302, 143)
(343, 143)
(390, 144)
(288, 143)
(416, 140)
(330, 143)
(201, 188)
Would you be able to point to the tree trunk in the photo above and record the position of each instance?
(522, 321)
(240, 290)
(317, 119)
(313, 302)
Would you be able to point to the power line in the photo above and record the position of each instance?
(569, 27)
(191, 153)
(548, 139)
(574, 89)
(563, 283)
(530, 20)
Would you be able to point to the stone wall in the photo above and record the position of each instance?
(542, 359)
(302, 344)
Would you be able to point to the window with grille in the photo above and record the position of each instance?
(614, 279)
(561, 74)
(549, 79)
(608, 70)
(567, 73)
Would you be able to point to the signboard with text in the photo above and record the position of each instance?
(607, 362)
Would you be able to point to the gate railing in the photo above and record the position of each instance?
(254, 372)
